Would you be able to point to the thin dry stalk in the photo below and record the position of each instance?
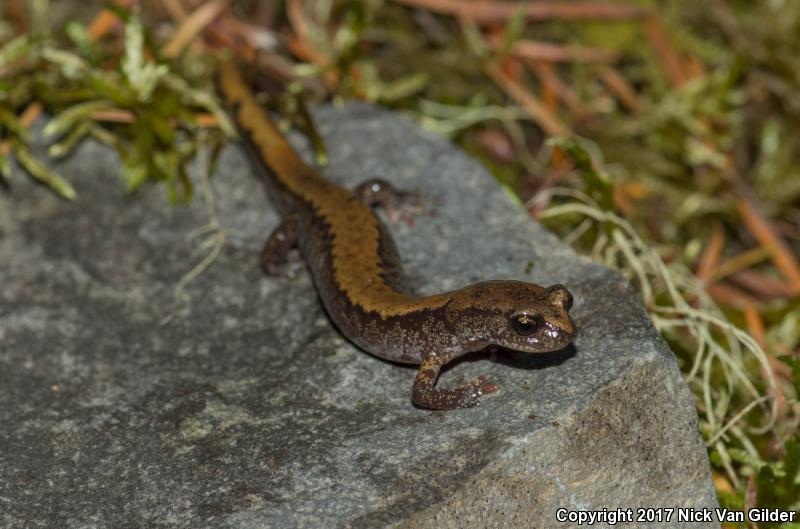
(499, 12)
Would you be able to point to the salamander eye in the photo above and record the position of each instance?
(525, 324)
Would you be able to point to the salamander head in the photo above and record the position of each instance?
(512, 314)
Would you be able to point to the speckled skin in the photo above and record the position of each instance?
(357, 272)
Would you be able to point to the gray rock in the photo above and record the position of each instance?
(248, 410)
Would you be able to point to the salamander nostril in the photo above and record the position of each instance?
(559, 294)
(568, 300)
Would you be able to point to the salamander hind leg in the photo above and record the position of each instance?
(275, 256)
(426, 396)
(398, 205)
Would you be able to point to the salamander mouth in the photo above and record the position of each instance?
(531, 348)
(550, 338)
(540, 349)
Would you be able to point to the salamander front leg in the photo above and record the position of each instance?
(426, 396)
(275, 254)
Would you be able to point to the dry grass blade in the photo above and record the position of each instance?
(193, 25)
(621, 88)
(693, 68)
(666, 53)
(26, 119)
(31, 112)
(725, 294)
(262, 38)
(755, 325)
(550, 123)
(175, 9)
(765, 286)
(549, 78)
(43, 173)
(15, 11)
(206, 121)
(740, 262)
(218, 31)
(106, 20)
(202, 120)
(710, 256)
(114, 115)
(549, 52)
(303, 44)
(498, 12)
(764, 233)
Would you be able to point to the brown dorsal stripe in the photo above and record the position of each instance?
(356, 231)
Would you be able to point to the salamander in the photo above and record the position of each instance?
(358, 275)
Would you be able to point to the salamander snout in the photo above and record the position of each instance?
(540, 323)
(512, 314)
